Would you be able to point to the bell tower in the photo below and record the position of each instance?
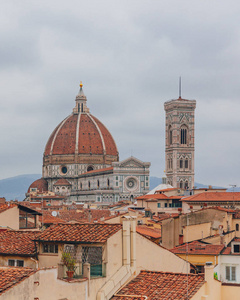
(179, 142)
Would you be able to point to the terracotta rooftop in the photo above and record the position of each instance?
(152, 197)
(12, 276)
(81, 233)
(148, 231)
(13, 242)
(6, 206)
(84, 215)
(161, 285)
(98, 171)
(214, 197)
(198, 248)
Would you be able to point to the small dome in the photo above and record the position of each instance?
(40, 184)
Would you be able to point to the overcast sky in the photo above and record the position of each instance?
(129, 55)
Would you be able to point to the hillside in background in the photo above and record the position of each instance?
(16, 187)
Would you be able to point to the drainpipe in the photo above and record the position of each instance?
(36, 262)
(133, 242)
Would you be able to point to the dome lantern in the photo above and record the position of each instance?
(81, 102)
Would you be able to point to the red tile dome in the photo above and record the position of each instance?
(40, 184)
(81, 134)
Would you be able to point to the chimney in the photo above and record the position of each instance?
(126, 240)
(209, 278)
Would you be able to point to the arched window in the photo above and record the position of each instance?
(186, 163)
(80, 186)
(81, 107)
(78, 107)
(181, 163)
(89, 184)
(181, 185)
(184, 132)
(98, 184)
(237, 227)
(108, 183)
(186, 185)
(89, 168)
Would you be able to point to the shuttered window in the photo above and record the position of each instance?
(231, 273)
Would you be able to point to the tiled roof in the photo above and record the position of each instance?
(198, 248)
(98, 171)
(11, 276)
(4, 207)
(161, 285)
(152, 197)
(47, 218)
(84, 215)
(93, 233)
(148, 231)
(62, 181)
(17, 242)
(214, 196)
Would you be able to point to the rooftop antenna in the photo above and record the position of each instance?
(180, 87)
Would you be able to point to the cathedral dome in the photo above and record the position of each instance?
(80, 139)
(81, 134)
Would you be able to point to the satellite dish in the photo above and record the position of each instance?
(54, 213)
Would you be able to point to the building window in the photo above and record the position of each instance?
(15, 263)
(236, 248)
(165, 205)
(89, 184)
(186, 185)
(116, 177)
(98, 184)
(186, 164)
(237, 227)
(231, 273)
(181, 184)
(89, 168)
(108, 183)
(183, 136)
(159, 205)
(50, 248)
(116, 183)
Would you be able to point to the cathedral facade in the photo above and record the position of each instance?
(81, 161)
(179, 142)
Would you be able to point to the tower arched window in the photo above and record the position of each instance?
(181, 164)
(186, 185)
(186, 164)
(183, 136)
(181, 185)
(81, 107)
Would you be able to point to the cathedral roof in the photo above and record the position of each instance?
(62, 181)
(81, 133)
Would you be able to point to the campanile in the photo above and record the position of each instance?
(179, 142)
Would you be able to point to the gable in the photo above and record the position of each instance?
(130, 163)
